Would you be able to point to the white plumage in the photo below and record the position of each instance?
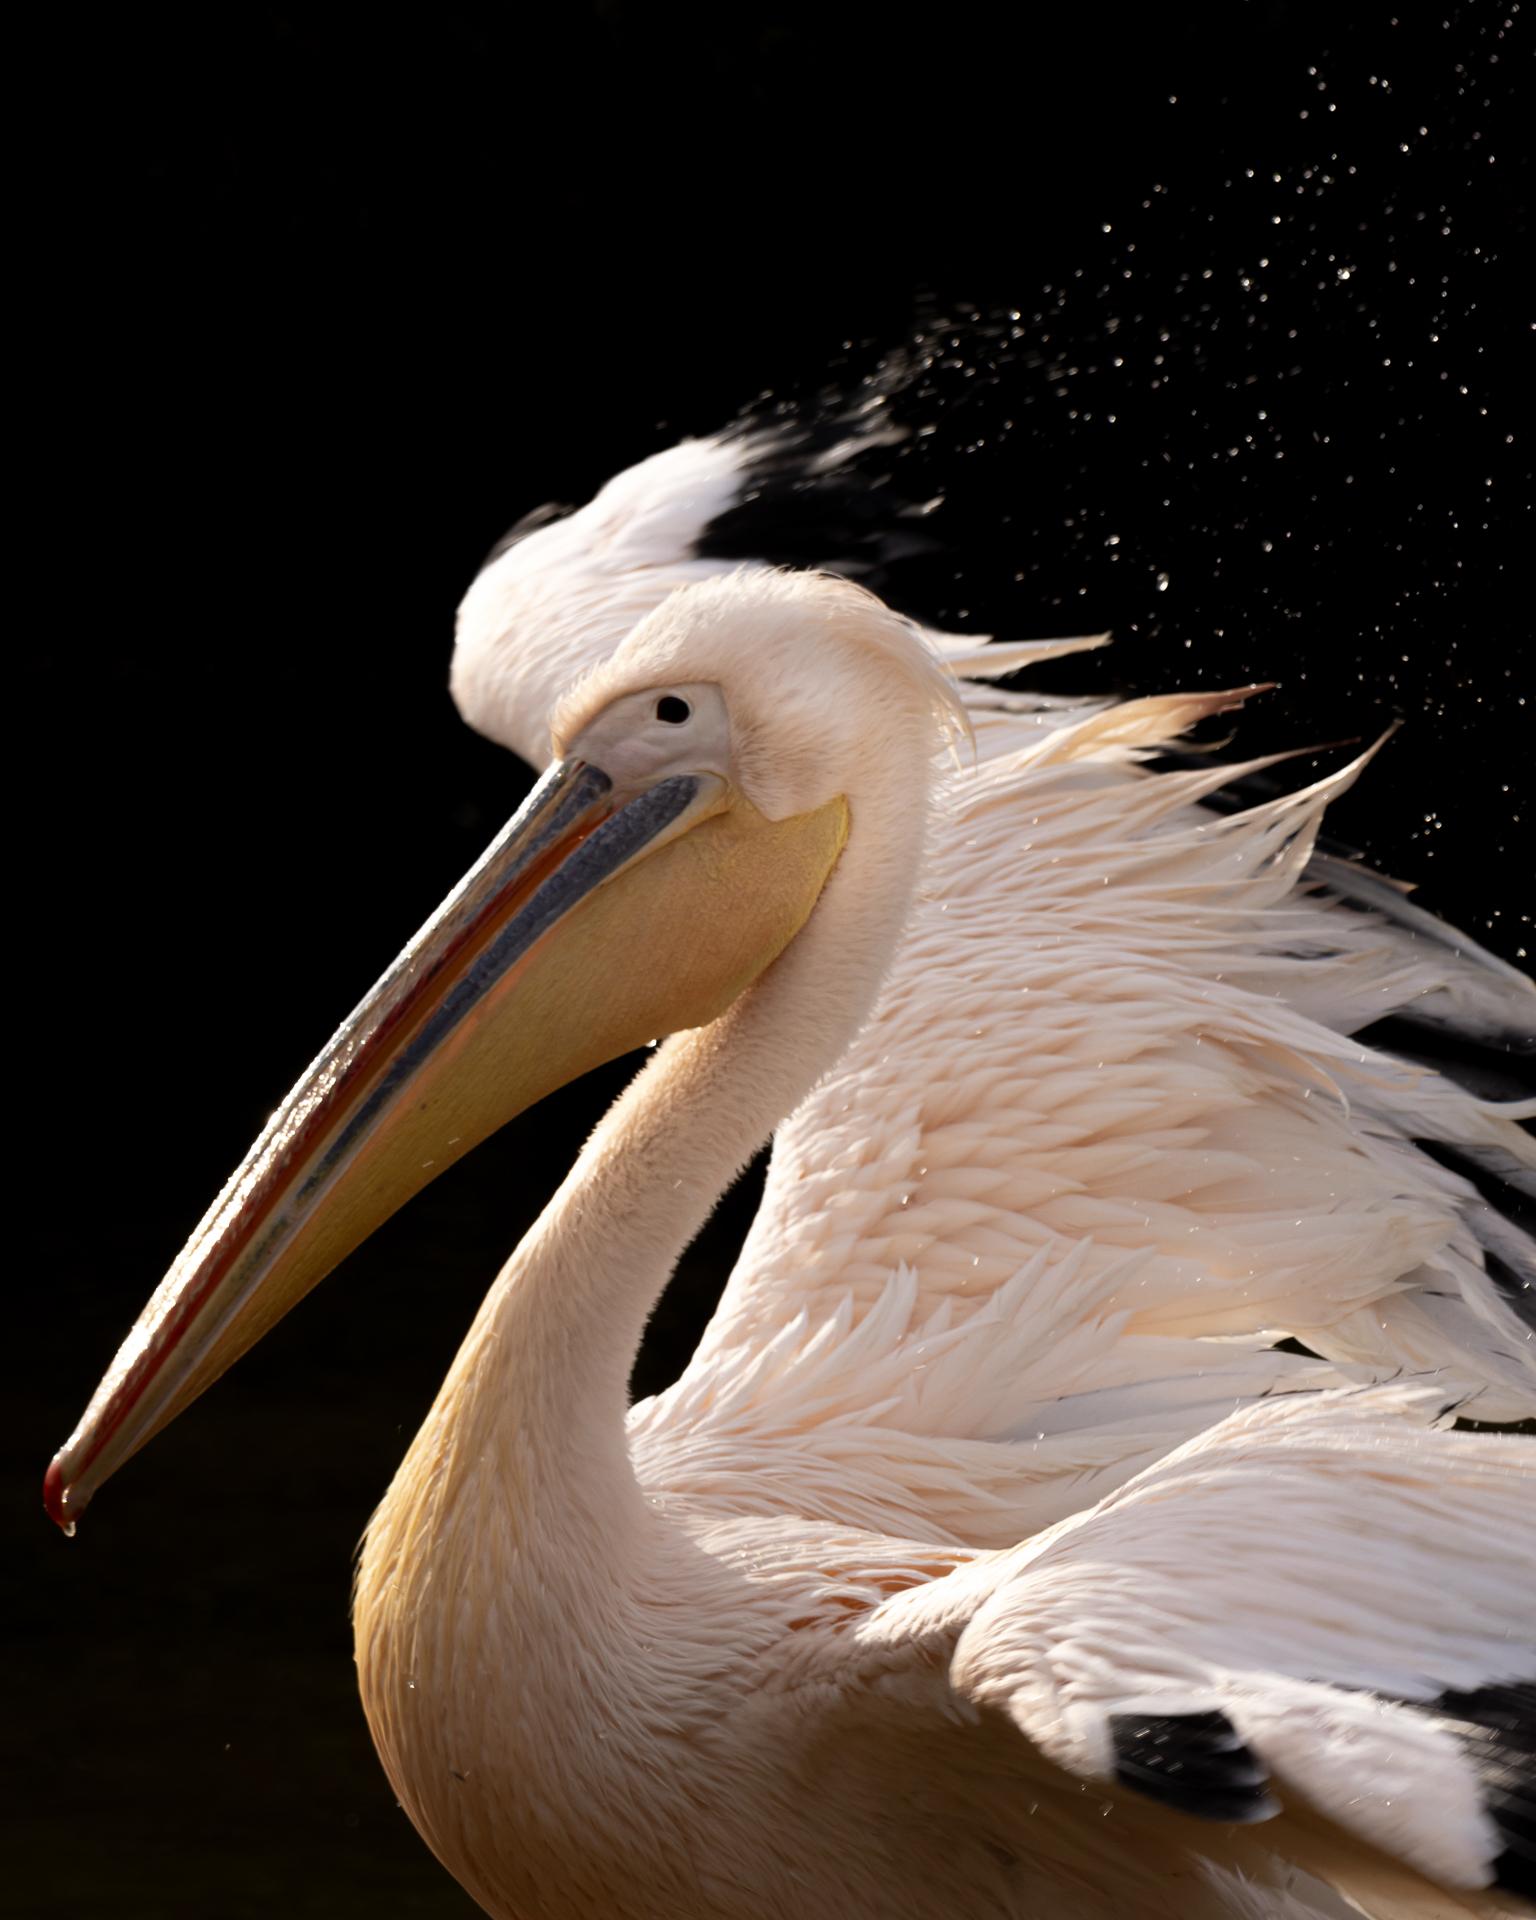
(1113, 1014)
(990, 1513)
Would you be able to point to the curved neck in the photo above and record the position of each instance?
(539, 1390)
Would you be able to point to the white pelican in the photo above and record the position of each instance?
(993, 1557)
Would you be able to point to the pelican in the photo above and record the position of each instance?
(1063, 1514)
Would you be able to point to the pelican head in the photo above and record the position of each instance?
(704, 780)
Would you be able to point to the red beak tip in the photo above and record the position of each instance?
(55, 1495)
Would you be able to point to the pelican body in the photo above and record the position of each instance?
(1060, 1516)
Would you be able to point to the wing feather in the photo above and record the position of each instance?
(1108, 1136)
(1115, 1052)
(1368, 1651)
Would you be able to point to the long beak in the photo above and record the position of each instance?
(507, 992)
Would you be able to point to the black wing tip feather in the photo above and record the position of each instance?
(1493, 1066)
(1516, 1873)
(1198, 1764)
(1194, 1762)
(843, 476)
(1502, 1220)
(801, 504)
(1497, 1730)
(529, 523)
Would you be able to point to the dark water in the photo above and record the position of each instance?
(317, 313)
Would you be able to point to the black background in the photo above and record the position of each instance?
(314, 309)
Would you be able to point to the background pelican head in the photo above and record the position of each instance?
(705, 778)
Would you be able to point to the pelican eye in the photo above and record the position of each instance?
(673, 710)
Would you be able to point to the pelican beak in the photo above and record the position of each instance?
(521, 981)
